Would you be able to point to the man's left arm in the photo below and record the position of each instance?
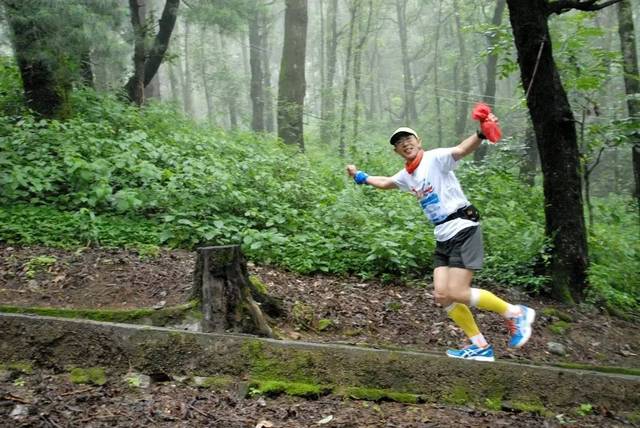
(470, 144)
(467, 147)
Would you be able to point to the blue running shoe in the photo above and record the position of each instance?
(472, 352)
(520, 327)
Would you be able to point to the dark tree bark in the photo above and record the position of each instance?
(160, 44)
(492, 67)
(410, 114)
(135, 86)
(42, 92)
(631, 82)
(257, 78)
(227, 296)
(292, 85)
(530, 158)
(554, 125)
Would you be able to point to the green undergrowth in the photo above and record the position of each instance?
(117, 176)
(157, 317)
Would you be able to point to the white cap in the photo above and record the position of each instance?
(402, 130)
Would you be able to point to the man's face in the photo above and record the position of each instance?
(407, 147)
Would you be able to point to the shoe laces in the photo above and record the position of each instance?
(511, 325)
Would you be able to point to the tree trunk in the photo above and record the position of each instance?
(631, 83)
(492, 67)
(159, 47)
(266, 68)
(204, 72)
(410, 113)
(187, 90)
(292, 85)
(42, 92)
(530, 158)
(435, 75)
(465, 87)
(174, 82)
(257, 78)
(327, 104)
(347, 78)
(86, 69)
(222, 286)
(554, 126)
(135, 86)
(357, 70)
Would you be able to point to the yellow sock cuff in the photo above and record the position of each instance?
(462, 316)
(486, 300)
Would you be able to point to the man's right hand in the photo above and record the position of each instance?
(351, 170)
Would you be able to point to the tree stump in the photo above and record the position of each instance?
(221, 284)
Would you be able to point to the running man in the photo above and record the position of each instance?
(459, 248)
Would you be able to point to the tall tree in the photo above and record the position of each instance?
(463, 69)
(292, 84)
(187, 89)
(364, 30)
(135, 86)
(554, 126)
(631, 82)
(327, 100)
(257, 77)
(492, 69)
(42, 54)
(353, 14)
(410, 114)
(153, 58)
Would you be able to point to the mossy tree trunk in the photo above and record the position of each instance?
(227, 296)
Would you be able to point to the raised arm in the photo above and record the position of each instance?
(378, 182)
(471, 143)
(468, 146)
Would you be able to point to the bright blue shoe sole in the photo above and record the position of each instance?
(526, 333)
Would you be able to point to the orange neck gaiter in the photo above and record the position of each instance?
(411, 165)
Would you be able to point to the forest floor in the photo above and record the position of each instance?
(320, 309)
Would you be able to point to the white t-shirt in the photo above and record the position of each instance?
(437, 190)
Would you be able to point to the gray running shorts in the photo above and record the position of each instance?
(465, 250)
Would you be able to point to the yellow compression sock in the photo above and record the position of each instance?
(486, 300)
(462, 316)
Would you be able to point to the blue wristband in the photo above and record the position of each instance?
(360, 177)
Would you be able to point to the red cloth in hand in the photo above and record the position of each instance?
(489, 128)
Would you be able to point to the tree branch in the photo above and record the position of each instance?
(562, 6)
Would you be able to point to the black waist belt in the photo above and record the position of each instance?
(469, 212)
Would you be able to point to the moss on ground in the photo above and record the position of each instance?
(216, 383)
(534, 406)
(603, 369)
(559, 327)
(458, 395)
(91, 375)
(553, 312)
(258, 284)
(25, 367)
(157, 317)
(275, 387)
